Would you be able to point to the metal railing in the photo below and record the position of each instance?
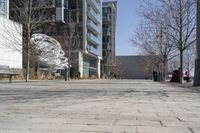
(93, 15)
(94, 26)
(93, 39)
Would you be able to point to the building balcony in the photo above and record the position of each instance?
(50, 18)
(46, 4)
(93, 15)
(60, 15)
(93, 39)
(107, 18)
(95, 5)
(94, 28)
(107, 33)
(91, 49)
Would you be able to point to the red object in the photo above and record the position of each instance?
(186, 76)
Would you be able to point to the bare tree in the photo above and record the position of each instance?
(31, 17)
(12, 33)
(152, 63)
(112, 67)
(117, 69)
(70, 40)
(71, 44)
(182, 26)
(153, 38)
(173, 24)
(189, 59)
(197, 62)
(109, 64)
(173, 64)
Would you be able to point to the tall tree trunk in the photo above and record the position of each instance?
(197, 62)
(27, 52)
(164, 71)
(27, 65)
(29, 33)
(28, 39)
(197, 73)
(181, 39)
(181, 66)
(28, 55)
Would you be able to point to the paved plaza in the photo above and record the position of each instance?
(98, 106)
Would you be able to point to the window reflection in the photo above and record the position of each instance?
(2, 7)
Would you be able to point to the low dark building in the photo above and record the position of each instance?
(133, 67)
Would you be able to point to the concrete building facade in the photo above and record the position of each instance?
(109, 32)
(10, 38)
(133, 67)
(86, 17)
(91, 54)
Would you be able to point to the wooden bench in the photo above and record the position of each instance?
(7, 71)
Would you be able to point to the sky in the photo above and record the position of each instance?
(127, 21)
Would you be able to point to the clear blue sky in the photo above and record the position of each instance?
(127, 21)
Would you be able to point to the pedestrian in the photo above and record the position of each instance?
(155, 76)
(186, 76)
(79, 75)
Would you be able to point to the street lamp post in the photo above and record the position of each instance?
(197, 62)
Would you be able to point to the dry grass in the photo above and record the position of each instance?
(39, 75)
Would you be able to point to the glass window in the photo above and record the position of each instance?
(72, 4)
(80, 31)
(59, 3)
(2, 7)
(65, 4)
(80, 17)
(73, 17)
(80, 4)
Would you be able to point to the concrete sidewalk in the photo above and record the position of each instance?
(98, 106)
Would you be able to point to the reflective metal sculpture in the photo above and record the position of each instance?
(50, 52)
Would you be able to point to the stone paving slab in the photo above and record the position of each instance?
(98, 106)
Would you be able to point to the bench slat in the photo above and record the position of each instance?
(5, 70)
(4, 67)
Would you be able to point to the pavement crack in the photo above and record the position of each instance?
(157, 114)
(191, 130)
(114, 123)
(137, 130)
(162, 125)
(179, 119)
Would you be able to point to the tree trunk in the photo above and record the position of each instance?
(28, 56)
(197, 62)
(28, 38)
(164, 71)
(27, 66)
(197, 73)
(181, 40)
(181, 66)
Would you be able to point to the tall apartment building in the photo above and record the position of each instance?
(85, 18)
(109, 32)
(10, 38)
(88, 14)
